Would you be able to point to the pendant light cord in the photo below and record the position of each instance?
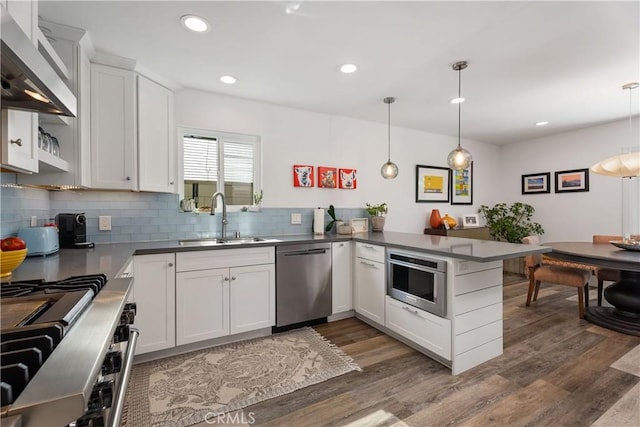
(459, 103)
(389, 132)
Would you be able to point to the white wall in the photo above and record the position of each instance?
(291, 136)
(570, 216)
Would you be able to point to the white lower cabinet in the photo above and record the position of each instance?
(154, 292)
(370, 282)
(252, 298)
(342, 276)
(425, 329)
(220, 293)
(202, 305)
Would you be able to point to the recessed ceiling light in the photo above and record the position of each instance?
(457, 100)
(195, 23)
(349, 68)
(542, 123)
(228, 80)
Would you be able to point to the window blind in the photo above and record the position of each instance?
(238, 162)
(200, 158)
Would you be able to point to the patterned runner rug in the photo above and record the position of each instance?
(190, 388)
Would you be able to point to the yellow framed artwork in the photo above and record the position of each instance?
(432, 184)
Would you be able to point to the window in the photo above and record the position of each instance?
(217, 161)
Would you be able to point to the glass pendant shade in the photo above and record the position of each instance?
(389, 170)
(459, 158)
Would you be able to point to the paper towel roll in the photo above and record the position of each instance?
(318, 221)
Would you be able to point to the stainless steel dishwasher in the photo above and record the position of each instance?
(303, 284)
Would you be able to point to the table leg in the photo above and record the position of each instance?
(624, 296)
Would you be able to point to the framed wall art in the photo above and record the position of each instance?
(432, 184)
(347, 179)
(572, 181)
(462, 186)
(536, 183)
(302, 176)
(327, 177)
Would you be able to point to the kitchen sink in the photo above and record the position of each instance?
(230, 241)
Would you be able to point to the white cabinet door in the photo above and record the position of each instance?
(342, 276)
(19, 141)
(113, 128)
(202, 305)
(253, 297)
(370, 289)
(156, 139)
(154, 290)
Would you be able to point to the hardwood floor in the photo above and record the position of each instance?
(555, 371)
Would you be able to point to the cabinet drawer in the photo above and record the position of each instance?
(370, 252)
(204, 260)
(425, 329)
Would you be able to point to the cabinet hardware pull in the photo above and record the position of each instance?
(170, 264)
(233, 277)
(128, 178)
(18, 142)
(171, 183)
(370, 264)
(226, 279)
(404, 307)
(367, 246)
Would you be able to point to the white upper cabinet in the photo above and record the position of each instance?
(156, 147)
(113, 128)
(132, 138)
(73, 167)
(20, 128)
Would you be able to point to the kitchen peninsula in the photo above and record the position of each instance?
(469, 333)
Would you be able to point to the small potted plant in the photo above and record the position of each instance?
(257, 202)
(334, 221)
(377, 213)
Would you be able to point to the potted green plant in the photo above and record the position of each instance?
(377, 213)
(334, 221)
(511, 223)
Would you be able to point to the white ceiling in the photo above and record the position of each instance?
(564, 62)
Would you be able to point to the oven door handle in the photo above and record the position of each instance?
(116, 412)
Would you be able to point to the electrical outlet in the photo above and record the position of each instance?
(296, 218)
(34, 221)
(104, 222)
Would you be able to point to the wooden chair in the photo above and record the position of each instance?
(538, 272)
(602, 274)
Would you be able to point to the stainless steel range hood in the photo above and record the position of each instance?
(24, 71)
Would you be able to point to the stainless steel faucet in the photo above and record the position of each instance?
(214, 206)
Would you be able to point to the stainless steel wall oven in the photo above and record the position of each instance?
(417, 280)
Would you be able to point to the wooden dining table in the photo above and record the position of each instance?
(624, 295)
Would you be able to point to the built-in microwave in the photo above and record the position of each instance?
(417, 280)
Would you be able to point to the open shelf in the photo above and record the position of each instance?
(51, 163)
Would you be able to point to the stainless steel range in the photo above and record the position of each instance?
(67, 351)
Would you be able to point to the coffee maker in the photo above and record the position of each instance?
(72, 230)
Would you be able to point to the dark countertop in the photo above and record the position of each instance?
(111, 258)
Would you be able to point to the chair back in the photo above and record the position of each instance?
(601, 238)
(532, 260)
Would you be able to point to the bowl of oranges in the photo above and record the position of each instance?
(13, 251)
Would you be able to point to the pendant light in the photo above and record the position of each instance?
(389, 170)
(626, 165)
(459, 158)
